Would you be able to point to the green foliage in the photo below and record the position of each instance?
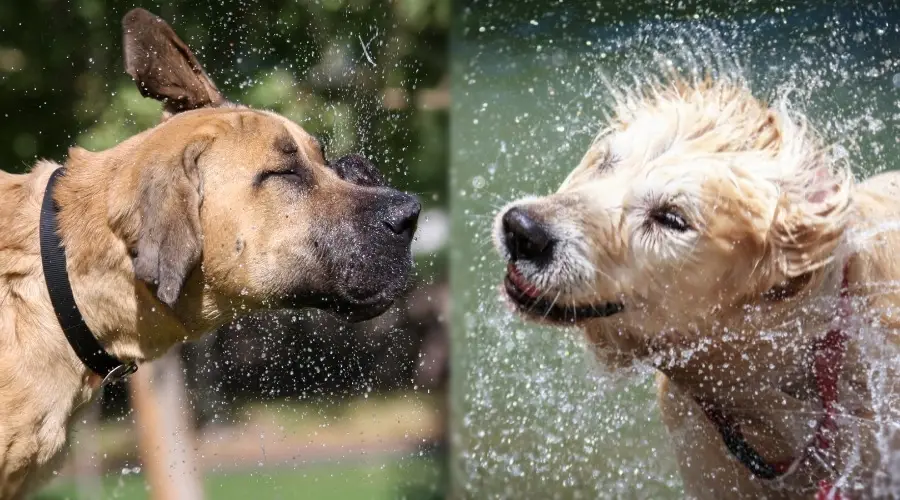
(325, 64)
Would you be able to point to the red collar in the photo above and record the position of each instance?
(828, 362)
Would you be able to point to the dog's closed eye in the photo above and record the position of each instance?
(293, 172)
(290, 167)
(669, 217)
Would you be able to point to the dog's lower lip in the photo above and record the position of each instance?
(524, 287)
(528, 301)
(365, 299)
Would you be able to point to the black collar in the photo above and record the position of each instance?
(53, 258)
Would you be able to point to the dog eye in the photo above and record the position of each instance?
(292, 175)
(609, 161)
(670, 218)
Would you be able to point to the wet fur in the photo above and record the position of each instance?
(771, 210)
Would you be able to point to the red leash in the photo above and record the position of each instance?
(828, 492)
(828, 362)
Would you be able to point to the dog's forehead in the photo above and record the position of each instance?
(645, 139)
(298, 133)
(693, 183)
(691, 186)
(244, 119)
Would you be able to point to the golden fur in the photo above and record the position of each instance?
(217, 211)
(727, 309)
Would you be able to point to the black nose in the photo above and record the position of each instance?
(525, 237)
(403, 214)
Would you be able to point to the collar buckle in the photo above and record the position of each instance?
(119, 373)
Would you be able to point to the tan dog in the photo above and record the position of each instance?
(713, 237)
(217, 211)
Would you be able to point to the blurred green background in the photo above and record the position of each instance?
(62, 80)
(293, 406)
(533, 415)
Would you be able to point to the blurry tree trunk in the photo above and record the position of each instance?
(88, 473)
(165, 429)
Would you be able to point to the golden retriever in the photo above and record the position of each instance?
(718, 239)
(217, 211)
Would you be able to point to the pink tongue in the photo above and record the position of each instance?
(518, 280)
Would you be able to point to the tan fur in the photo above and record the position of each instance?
(769, 210)
(168, 235)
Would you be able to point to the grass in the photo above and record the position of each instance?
(353, 448)
(413, 479)
(288, 430)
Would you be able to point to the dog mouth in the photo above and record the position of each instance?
(530, 301)
(363, 295)
(363, 276)
(354, 311)
(351, 310)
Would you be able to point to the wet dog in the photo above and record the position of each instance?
(217, 211)
(716, 238)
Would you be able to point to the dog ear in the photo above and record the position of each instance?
(810, 219)
(169, 242)
(163, 66)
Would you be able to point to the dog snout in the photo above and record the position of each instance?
(525, 237)
(359, 170)
(402, 215)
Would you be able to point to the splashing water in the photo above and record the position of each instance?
(285, 402)
(535, 416)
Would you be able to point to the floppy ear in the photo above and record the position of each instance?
(810, 218)
(163, 66)
(169, 242)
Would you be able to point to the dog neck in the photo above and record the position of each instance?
(767, 344)
(763, 371)
(98, 215)
(741, 348)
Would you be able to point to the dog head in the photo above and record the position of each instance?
(696, 197)
(248, 199)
